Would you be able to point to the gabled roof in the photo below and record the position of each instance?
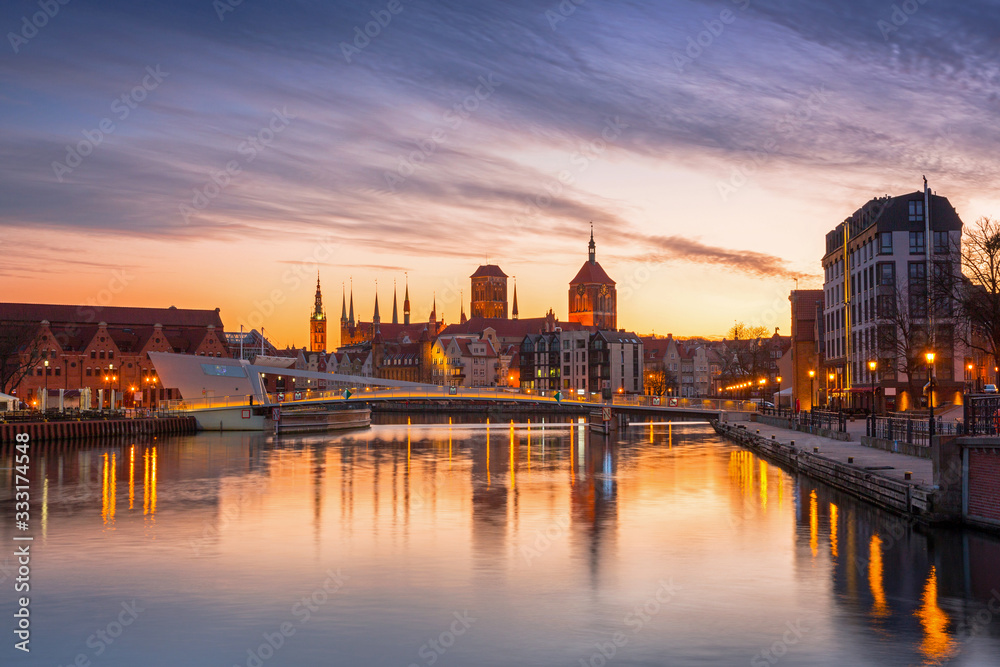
(592, 273)
(507, 329)
(112, 315)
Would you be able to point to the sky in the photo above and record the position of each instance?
(217, 154)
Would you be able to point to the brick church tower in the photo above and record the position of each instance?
(593, 299)
(317, 323)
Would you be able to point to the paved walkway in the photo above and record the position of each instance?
(864, 457)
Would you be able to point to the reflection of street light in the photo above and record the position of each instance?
(930, 395)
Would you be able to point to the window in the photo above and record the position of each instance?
(111, 354)
(88, 372)
(93, 354)
(887, 273)
(941, 243)
(916, 243)
(916, 211)
(58, 371)
(885, 243)
(101, 354)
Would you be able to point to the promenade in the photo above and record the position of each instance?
(876, 461)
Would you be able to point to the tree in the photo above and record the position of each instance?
(20, 351)
(979, 296)
(901, 332)
(659, 379)
(748, 356)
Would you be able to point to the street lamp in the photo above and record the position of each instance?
(930, 396)
(872, 365)
(830, 380)
(778, 380)
(45, 402)
(760, 383)
(968, 376)
(812, 391)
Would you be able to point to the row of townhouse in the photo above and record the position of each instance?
(584, 362)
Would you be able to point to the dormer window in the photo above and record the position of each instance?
(916, 211)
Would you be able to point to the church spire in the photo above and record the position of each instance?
(395, 310)
(434, 309)
(318, 311)
(343, 304)
(513, 311)
(376, 320)
(592, 246)
(461, 300)
(406, 301)
(351, 318)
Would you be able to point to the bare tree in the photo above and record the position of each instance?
(20, 352)
(901, 331)
(979, 295)
(748, 356)
(659, 379)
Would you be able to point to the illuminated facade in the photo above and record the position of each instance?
(593, 299)
(317, 323)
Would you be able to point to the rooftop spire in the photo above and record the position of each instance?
(592, 246)
(395, 310)
(343, 304)
(318, 312)
(513, 311)
(376, 320)
(406, 301)
(434, 308)
(461, 302)
(351, 318)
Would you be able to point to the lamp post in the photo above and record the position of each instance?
(812, 391)
(872, 365)
(930, 396)
(968, 377)
(778, 380)
(830, 380)
(45, 400)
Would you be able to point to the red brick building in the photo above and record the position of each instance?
(105, 348)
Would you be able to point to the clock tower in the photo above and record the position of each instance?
(593, 299)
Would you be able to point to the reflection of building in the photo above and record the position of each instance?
(593, 299)
(593, 498)
(317, 323)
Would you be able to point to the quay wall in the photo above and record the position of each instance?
(53, 431)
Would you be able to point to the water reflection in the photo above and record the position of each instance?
(549, 532)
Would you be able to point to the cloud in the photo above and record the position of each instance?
(678, 248)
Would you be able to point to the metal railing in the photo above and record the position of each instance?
(910, 430)
(982, 415)
(465, 393)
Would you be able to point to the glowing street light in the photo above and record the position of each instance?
(930, 396)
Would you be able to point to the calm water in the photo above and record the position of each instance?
(474, 545)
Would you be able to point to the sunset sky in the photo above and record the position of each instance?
(712, 144)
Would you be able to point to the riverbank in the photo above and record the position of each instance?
(896, 482)
(51, 431)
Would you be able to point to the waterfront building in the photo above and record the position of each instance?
(103, 349)
(807, 319)
(584, 361)
(888, 272)
(465, 361)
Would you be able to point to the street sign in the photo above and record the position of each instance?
(347, 394)
(558, 396)
(275, 414)
(606, 414)
(672, 402)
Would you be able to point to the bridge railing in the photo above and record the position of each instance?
(982, 415)
(467, 393)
